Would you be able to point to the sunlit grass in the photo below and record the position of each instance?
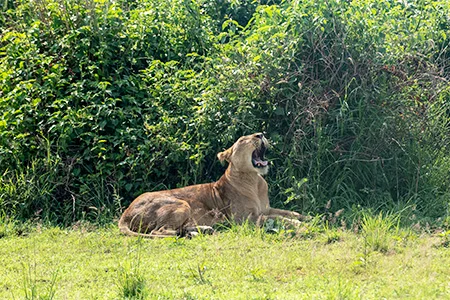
(237, 263)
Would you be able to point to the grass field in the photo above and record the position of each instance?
(241, 262)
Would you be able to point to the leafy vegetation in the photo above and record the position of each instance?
(102, 100)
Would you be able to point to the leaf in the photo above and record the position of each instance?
(76, 172)
(128, 187)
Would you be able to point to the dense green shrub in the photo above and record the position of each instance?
(102, 100)
(354, 87)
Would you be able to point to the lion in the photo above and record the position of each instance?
(240, 194)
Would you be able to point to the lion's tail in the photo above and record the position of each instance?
(125, 229)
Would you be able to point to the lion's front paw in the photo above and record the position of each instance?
(295, 222)
(302, 217)
(194, 231)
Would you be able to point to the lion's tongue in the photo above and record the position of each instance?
(260, 163)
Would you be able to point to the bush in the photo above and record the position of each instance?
(102, 100)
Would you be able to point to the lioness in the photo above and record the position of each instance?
(240, 194)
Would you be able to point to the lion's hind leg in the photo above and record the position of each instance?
(163, 217)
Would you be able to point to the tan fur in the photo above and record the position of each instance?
(240, 194)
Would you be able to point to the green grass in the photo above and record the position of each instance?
(241, 263)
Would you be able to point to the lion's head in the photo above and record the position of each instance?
(247, 154)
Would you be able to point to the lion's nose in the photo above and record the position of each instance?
(259, 135)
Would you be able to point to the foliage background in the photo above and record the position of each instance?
(101, 100)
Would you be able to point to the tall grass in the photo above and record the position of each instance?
(32, 288)
(131, 282)
(29, 191)
(37, 281)
(377, 231)
(7, 225)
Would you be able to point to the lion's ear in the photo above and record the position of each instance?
(225, 155)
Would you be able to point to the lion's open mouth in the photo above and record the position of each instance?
(258, 157)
